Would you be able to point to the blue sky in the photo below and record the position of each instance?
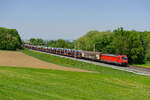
(70, 19)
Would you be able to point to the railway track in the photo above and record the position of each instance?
(133, 69)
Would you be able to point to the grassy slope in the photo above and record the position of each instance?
(146, 65)
(121, 77)
(71, 63)
(42, 84)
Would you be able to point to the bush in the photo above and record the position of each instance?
(9, 39)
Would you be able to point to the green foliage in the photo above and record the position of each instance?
(136, 45)
(37, 41)
(60, 43)
(51, 43)
(9, 39)
(147, 45)
(129, 43)
(95, 40)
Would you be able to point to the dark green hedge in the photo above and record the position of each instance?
(9, 39)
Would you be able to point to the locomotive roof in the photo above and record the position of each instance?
(113, 55)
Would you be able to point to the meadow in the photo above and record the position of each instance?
(42, 84)
(146, 65)
(45, 84)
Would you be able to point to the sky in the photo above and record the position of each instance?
(71, 19)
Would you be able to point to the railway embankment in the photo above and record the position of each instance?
(84, 64)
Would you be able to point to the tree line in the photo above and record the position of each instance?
(134, 44)
(9, 39)
(60, 43)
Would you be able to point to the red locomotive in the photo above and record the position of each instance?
(117, 59)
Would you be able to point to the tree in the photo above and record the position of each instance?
(60, 43)
(95, 39)
(37, 41)
(129, 43)
(10, 39)
(147, 48)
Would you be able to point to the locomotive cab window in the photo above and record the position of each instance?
(124, 58)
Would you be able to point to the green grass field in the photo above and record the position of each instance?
(42, 84)
(146, 65)
(45, 84)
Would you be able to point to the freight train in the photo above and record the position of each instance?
(97, 56)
